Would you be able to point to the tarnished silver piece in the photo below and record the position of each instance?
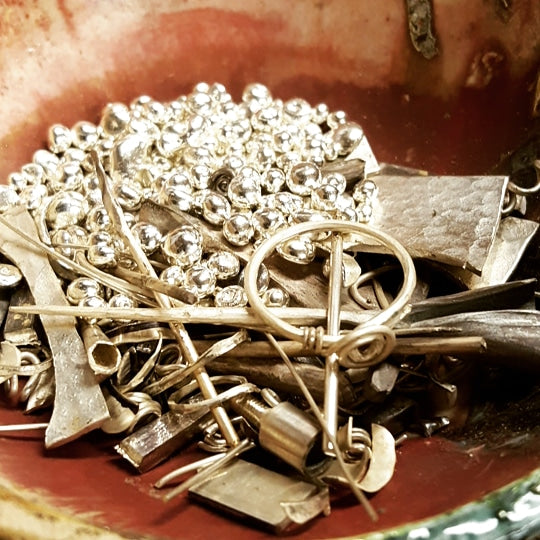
(381, 381)
(420, 19)
(383, 460)
(206, 473)
(450, 219)
(79, 405)
(512, 336)
(42, 394)
(158, 440)
(285, 431)
(272, 500)
(103, 356)
(512, 238)
(121, 417)
(10, 276)
(20, 329)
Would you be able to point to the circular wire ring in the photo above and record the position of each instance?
(389, 316)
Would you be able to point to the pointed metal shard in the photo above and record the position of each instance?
(511, 240)
(450, 219)
(364, 152)
(79, 405)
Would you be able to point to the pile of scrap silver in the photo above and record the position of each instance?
(248, 279)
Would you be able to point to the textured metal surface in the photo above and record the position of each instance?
(254, 493)
(79, 405)
(450, 219)
(511, 240)
(156, 441)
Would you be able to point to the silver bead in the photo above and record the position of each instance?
(225, 264)
(154, 111)
(93, 302)
(200, 176)
(98, 219)
(198, 155)
(364, 213)
(324, 198)
(215, 208)
(173, 275)
(285, 202)
(176, 197)
(66, 208)
(16, 181)
(319, 113)
(102, 255)
(128, 195)
(197, 130)
(300, 250)
(273, 180)
(347, 214)
(200, 103)
(183, 246)
(180, 179)
(276, 297)
(266, 221)
(263, 279)
(345, 200)
(303, 178)
(238, 229)
(266, 119)
(200, 280)
(334, 119)
(298, 109)
(85, 135)
(364, 191)
(244, 189)
(33, 197)
(81, 288)
(231, 296)
(148, 235)
(347, 136)
(33, 173)
(313, 216)
(120, 300)
(68, 176)
(142, 127)
(8, 198)
(127, 156)
(59, 138)
(335, 179)
(114, 119)
(284, 140)
(288, 160)
(47, 161)
(100, 238)
(74, 236)
(171, 138)
(256, 96)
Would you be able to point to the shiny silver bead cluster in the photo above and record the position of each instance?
(249, 168)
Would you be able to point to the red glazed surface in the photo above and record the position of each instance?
(62, 61)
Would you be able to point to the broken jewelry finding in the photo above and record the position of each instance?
(177, 240)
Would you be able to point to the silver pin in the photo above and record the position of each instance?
(331, 380)
(190, 354)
